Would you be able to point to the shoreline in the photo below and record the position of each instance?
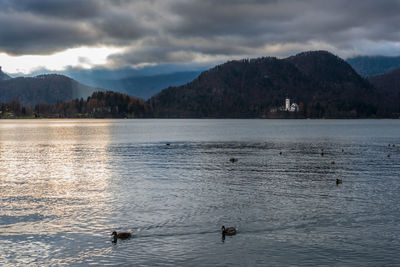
(189, 118)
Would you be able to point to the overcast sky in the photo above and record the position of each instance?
(116, 33)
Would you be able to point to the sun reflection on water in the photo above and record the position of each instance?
(53, 172)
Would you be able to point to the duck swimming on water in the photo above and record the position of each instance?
(122, 235)
(233, 160)
(228, 231)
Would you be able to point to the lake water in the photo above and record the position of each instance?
(65, 185)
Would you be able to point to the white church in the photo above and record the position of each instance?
(291, 108)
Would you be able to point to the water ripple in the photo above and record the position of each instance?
(67, 184)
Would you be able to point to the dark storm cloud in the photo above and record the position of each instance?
(54, 8)
(47, 26)
(26, 34)
(156, 31)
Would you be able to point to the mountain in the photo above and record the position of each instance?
(3, 76)
(323, 84)
(127, 72)
(43, 89)
(374, 65)
(141, 82)
(389, 85)
(324, 67)
(148, 85)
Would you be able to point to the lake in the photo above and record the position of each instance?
(65, 185)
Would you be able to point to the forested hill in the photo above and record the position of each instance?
(43, 89)
(323, 85)
(389, 85)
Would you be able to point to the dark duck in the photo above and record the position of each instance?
(228, 231)
(122, 235)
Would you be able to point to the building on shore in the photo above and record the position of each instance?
(291, 107)
(294, 108)
(287, 104)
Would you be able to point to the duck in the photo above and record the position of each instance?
(332, 162)
(338, 181)
(280, 153)
(342, 150)
(233, 160)
(228, 231)
(393, 145)
(122, 235)
(388, 155)
(322, 153)
(167, 144)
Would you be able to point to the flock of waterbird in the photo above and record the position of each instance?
(388, 155)
(229, 231)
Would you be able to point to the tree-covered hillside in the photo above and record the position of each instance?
(323, 85)
(48, 89)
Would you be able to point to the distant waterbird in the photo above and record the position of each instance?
(338, 181)
(388, 155)
(332, 162)
(233, 160)
(228, 230)
(122, 235)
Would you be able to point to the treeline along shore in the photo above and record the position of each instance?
(100, 105)
(111, 104)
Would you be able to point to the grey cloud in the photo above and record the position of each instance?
(160, 31)
(120, 27)
(51, 8)
(48, 28)
(26, 34)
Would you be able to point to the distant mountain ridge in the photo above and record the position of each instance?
(141, 82)
(374, 65)
(146, 86)
(3, 76)
(48, 89)
(323, 84)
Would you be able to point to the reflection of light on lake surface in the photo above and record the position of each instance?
(66, 184)
(51, 180)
